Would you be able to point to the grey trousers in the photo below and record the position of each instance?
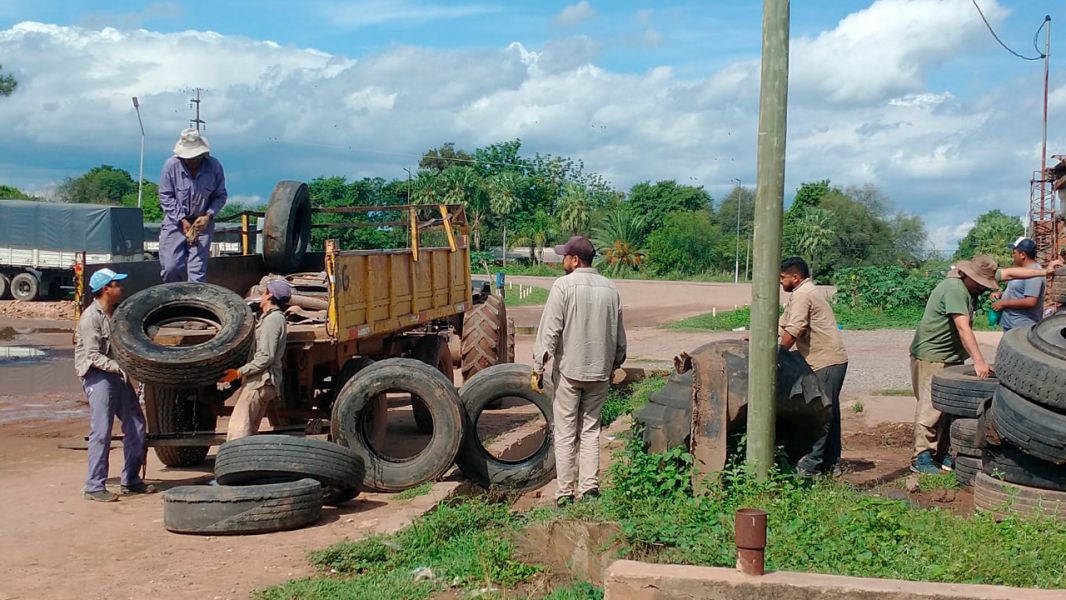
(110, 397)
(825, 453)
(577, 408)
(176, 256)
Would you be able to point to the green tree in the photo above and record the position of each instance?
(687, 244)
(8, 84)
(336, 192)
(655, 201)
(439, 159)
(991, 234)
(100, 185)
(574, 209)
(812, 234)
(536, 233)
(809, 194)
(503, 199)
(617, 241)
(456, 185)
(8, 192)
(150, 208)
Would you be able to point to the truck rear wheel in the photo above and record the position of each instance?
(178, 411)
(287, 227)
(484, 341)
(5, 286)
(25, 287)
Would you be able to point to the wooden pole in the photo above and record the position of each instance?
(769, 201)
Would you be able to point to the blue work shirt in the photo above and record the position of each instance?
(184, 197)
(1023, 288)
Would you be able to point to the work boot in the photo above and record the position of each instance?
(948, 464)
(591, 494)
(564, 501)
(138, 488)
(101, 496)
(924, 463)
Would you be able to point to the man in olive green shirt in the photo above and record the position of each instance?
(944, 337)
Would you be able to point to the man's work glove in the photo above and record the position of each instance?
(536, 382)
(230, 376)
(197, 227)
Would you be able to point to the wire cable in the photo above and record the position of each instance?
(1036, 35)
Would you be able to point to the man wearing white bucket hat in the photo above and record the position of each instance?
(192, 190)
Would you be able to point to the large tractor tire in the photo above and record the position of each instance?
(177, 411)
(236, 510)
(197, 365)
(384, 474)
(485, 337)
(287, 227)
(434, 351)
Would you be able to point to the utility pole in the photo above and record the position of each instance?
(769, 202)
(196, 102)
(408, 184)
(736, 261)
(140, 174)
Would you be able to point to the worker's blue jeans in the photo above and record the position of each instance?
(825, 453)
(110, 397)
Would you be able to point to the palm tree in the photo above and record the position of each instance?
(455, 185)
(503, 198)
(814, 233)
(535, 233)
(617, 241)
(574, 209)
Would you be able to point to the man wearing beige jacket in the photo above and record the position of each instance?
(581, 329)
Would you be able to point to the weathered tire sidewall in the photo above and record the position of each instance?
(349, 370)
(1048, 336)
(201, 364)
(440, 396)
(432, 350)
(242, 510)
(1035, 430)
(287, 227)
(489, 386)
(5, 286)
(1007, 463)
(256, 458)
(25, 287)
(1031, 372)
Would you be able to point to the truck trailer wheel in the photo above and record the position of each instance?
(275, 458)
(484, 341)
(223, 509)
(25, 287)
(384, 474)
(434, 351)
(5, 286)
(178, 411)
(287, 227)
(195, 365)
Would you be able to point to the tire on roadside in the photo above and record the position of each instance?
(235, 510)
(197, 365)
(966, 469)
(418, 379)
(1010, 464)
(960, 392)
(667, 418)
(1030, 371)
(287, 227)
(963, 436)
(25, 287)
(1030, 427)
(1002, 499)
(475, 461)
(278, 458)
(178, 410)
(434, 351)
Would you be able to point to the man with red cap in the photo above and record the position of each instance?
(581, 329)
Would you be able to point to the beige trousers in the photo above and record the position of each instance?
(251, 407)
(576, 412)
(930, 426)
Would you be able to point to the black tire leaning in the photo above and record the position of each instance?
(25, 287)
(963, 436)
(198, 365)
(1031, 372)
(287, 227)
(960, 392)
(259, 458)
(489, 386)
(177, 410)
(1048, 336)
(220, 510)
(1030, 427)
(1010, 464)
(966, 469)
(1001, 498)
(417, 379)
(350, 368)
(434, 351)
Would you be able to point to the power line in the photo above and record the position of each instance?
(1041, 55)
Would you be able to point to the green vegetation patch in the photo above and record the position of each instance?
(536, 297)
(626, 401)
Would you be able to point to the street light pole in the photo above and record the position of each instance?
(736, 263)
(408, 184)
(140, 174)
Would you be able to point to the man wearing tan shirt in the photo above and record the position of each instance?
(581, 328)
(810, 325)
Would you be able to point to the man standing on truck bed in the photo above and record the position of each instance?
(262, 375)
(810, 325)
(110, 394)
(581, 328)
(192, 190)
(944, 338)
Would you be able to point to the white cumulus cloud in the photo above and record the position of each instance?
(573, 14)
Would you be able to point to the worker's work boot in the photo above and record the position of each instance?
(924, 463)
(948, 464)
(564, 501)
(138, 488)
(101, 496)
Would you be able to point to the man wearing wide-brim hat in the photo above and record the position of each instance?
(944, 338)
(192, 190)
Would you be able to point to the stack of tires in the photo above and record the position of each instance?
(959, 393)
(267, 483)
(1024, 469)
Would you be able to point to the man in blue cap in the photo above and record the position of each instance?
(261, 376)
(110, 393)
(1023, 302)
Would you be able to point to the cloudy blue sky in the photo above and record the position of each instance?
(913, 96)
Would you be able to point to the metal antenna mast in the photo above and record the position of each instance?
(196, 102)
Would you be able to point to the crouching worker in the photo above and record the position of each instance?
(110, 393)
(261, 377)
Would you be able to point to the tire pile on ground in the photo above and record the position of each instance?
(266, 483)
(959, 393)
(1024, 449)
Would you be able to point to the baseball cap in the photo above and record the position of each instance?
(578, 246)
(280, 290)
(101, 278)
(1024, 244)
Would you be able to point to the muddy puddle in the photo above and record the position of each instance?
(37, 380)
